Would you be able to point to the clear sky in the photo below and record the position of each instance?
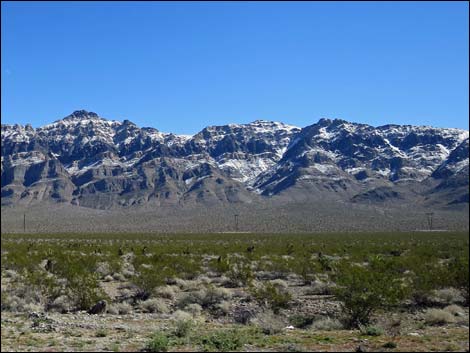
(181, 66)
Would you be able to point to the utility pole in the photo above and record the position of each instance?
(429, 215)
(24, 222)
(236, 222)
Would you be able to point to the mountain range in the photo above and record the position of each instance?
(88, 161)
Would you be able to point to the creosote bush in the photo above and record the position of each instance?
(371, 330)
(438, 317)
(458, 270)
(207, 298)
(119, 309)
(269, 322)
(183, 323)
(326, 324)
(365, 289)
(155, 305)
(240, 273)
(426, 277)
(272, 296)
(223, 341)
(300, 321)
(158, 343)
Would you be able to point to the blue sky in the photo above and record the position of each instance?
(182, 66)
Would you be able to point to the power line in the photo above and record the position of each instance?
(429, 215)
(236, 222)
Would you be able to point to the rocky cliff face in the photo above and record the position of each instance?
(86, 160)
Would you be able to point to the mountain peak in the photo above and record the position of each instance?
(80, 118)
(81, 114)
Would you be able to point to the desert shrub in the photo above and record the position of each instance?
(167, 292)
(300, 321)
(158, 343)
(279, 283)
(101, 332)
(154, 305)
(319, 288)
(80, 279)
(15, 303)
(119, 277)
(223, 341)
(438, 317)
(203, 279)
(364, 290)
(185, 267)
(242, 315)
(306, 267)
(220, 265)
(223, 308)
(4, 299)
(212, 296)
(390, 345)
(186, 285)
(18, 261)
(207, 298)
(426, 276)
(12, 303)
(458, 275)
(45, 284)
(326, 263)
(60, 304)
(271, 296)
(269, 322)
(292, 347)
(103, 269)
(454, 310)
(119, 309)
(85, 291)
(448, 295)
(147, 280)
(326, 324)
(222, 281)
(10, 274)
(240, 273)
(186, 299)
(371, 330)
(278, 267)
(183, 324)
(194, 309)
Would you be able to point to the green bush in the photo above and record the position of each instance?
(271, 296)
(326, 263)
(458, 276)
(101, 333)
(147, 280)
(46, 284)
(158, 343)
(426, 276)
(306, 267)
(183, 324)
(220, 265)
(300, 321)
(365, 289)
(85, 291)
(240, 273)
(390, 345)
(222, 341)
(371, 331)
